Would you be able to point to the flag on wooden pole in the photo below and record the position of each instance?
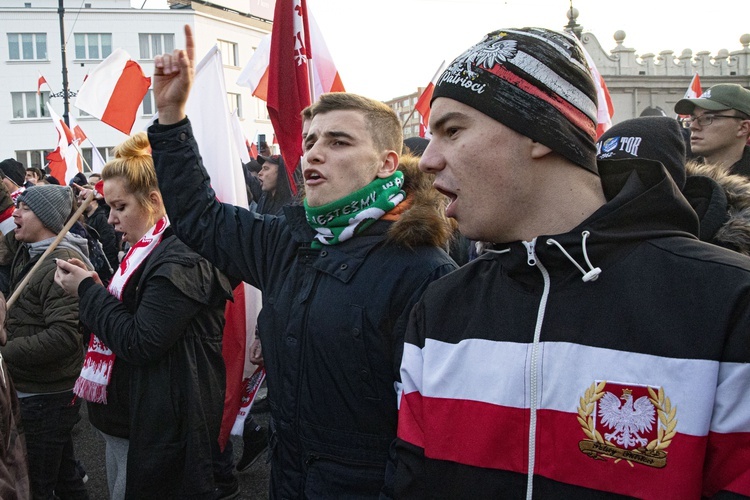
(209, 114)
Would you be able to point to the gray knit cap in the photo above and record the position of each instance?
(52, 204)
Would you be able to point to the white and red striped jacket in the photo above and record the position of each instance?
(520, 378)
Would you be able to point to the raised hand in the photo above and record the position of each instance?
(173, 78)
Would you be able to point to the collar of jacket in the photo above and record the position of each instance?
(643, 203)
(423, 224)
(342, 260)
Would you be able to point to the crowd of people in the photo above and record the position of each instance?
(515, 307)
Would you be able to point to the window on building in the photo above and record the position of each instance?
(29, 105)
(229, 54)
(149, 106)
(235, 102)
(88, 160)
(35, 158)
(261, 109)
(27, 46)
(153, 44)
(93, 45)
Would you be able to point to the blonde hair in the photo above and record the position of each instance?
(134, 165)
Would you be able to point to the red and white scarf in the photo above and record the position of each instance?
(97, 367)
(7, 224)
(15, 194)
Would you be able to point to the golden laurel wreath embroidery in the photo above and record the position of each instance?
(586, 408)
(667, 413)
(597, 448)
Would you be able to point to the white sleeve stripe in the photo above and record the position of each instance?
(496, 373)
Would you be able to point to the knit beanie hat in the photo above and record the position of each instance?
(535, 81)
(14, 171)
(51, 204)
(648, 137)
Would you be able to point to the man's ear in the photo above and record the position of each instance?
(744, 129)
(389, 166)
(539, 150)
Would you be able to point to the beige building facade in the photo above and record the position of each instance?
(636, 81)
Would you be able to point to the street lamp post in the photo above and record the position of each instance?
(65, 93)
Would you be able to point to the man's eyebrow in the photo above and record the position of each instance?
(335, 134)
(338, 134)
(446, 117)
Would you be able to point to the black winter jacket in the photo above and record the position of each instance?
(107, 236)
(331, 326)
(722, 202)
(172, 348)
(742, 166)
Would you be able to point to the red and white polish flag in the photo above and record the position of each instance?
(255, 73)
(325, 76)
(114, 90)
(423, 108)
(41, 81)
(65, 161)
(423, 104)
(694, 90)
(210, 116)
(605, 109)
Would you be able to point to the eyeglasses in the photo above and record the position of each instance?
(705, 120)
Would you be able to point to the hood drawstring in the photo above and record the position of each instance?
(593, 272)
(498, 252)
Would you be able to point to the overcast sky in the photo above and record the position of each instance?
(388, 48)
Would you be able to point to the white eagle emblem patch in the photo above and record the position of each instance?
(487, 53)
(627, 422)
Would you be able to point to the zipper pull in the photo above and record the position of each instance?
(530, 254)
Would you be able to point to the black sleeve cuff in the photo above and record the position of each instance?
(158, 127)
(84, 285)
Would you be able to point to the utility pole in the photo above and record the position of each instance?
(65, 93)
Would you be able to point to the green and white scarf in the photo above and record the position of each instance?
(341, 219)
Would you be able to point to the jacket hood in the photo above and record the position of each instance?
(273, 204)
(643, 203)
(5, 199)
(194, 276)
(424, 222)
(76, 243)
(725, 209)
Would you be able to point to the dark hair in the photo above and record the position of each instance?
(273, 203)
